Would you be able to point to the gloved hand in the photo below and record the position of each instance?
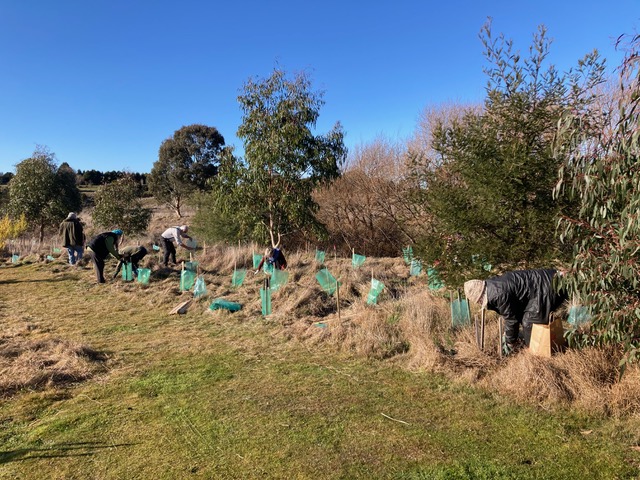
(507, 348)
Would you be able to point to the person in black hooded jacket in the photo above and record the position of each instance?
(100, 247)
(521, 297)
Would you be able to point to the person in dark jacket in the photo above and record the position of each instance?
(133, 255)
(275, 257)
(71, 231)
(521, 297)
(100, 247)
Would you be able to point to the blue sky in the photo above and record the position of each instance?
(102, 84)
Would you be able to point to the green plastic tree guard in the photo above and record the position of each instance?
(238, 277)
(407, 254)
(578, 315)
(278, 279)
(199, 288)
(460, 316)
(220, 304)
(265, 297)
(435, 283)
(416, 267)
(143, 275)
(187, 279)
(327, 281)
(127, 272)
(376, 288)
(357, 260)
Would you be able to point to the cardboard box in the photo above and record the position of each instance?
(547, 339)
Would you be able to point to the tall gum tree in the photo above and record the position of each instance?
(600, 155)
(268, 194)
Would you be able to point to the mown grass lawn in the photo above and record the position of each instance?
(227, 396)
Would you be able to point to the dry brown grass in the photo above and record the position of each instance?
(410, 325)
(32, 364)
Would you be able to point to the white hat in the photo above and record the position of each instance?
(71, 216)
(474, 290)
(184, 228)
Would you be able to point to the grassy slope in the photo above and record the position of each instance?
(224, 396)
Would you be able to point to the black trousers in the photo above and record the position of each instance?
(169, 251)
(98, 266)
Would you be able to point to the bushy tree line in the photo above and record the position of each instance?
(96, 177)
(41, 194)
(5, 178)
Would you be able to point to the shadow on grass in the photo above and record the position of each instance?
(62, 450)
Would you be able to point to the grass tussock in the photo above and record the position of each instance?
(49, 362)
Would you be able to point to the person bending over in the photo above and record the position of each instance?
(133, 255)
(100, 247)
(170, 235)
(521, 297)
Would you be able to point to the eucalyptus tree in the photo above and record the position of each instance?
(600, 170)
(268, 193)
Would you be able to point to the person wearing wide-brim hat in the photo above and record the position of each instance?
(521, 297)
(100, 247)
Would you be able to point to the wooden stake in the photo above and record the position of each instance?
(181, 308)
(338, 297)
(482, 330)
(475, 329)
(500, 336)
